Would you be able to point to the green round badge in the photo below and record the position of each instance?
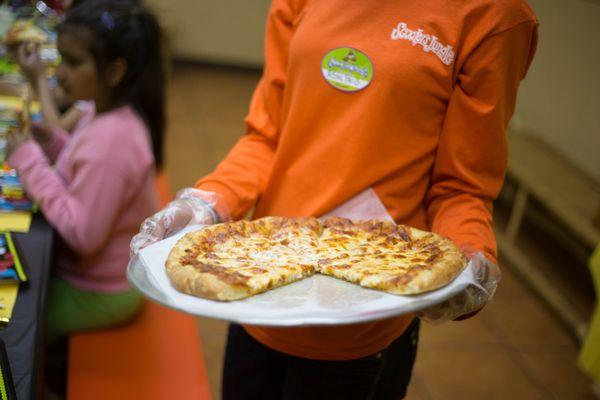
(347, 69)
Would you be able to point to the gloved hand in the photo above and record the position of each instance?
(191, 206)
(468, 302)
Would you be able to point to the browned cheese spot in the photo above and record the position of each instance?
(433, 257)
(324, 261)
(221, 237)
(342, 266)
(224, 274)
(306, 268)
(403, 233)
(402, 279)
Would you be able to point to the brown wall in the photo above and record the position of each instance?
(217, 31)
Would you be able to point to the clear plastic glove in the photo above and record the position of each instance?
(470, 300)
(191, 206)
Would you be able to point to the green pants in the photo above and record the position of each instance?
(70, 309)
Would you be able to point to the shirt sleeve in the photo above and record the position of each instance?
(82, 211)
(472, 154)
(242, 176)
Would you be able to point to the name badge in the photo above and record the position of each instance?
(347, 69)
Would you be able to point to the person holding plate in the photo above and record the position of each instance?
(403, 105)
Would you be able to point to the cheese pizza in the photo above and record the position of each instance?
(235, 260)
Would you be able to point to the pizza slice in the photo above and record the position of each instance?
(25, 32)
(388, 257)
(235, 260)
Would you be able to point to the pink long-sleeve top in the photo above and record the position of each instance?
(98, 193)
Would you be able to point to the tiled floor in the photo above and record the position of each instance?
(514, 349)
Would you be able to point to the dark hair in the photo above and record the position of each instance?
(122, 29)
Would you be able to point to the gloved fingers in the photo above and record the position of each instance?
(174, 219)
(486, 276)
(202, 213)
(468, 315)
(191, 206)
(206, 202)
(486, 273)
(468, 301)
(176, 216)
(147, 235)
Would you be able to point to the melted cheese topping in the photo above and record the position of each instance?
(272, 251)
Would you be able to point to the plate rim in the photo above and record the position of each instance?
(136, 269)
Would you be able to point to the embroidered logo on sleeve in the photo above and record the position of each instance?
(429, 43)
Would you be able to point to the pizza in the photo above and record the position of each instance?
(234, 260)
(25, 32)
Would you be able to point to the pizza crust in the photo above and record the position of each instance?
(187, 279)
(230, 279)
(437, 275)
(447, 268)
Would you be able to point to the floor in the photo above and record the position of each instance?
(514, 349)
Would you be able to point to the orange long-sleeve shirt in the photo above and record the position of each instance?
(427, 133)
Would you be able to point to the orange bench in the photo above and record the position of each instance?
(156, 356)
(163, 187)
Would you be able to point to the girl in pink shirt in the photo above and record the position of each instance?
(102, 184)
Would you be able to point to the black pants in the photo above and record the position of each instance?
(254, 371)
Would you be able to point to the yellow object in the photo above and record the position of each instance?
(16, 257)
(16, 103)
(589, 358)
(15, 221)
(8, 295)
(25, 31)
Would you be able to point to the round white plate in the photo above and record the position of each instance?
(317, 300)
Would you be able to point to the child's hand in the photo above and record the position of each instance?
(29, 60)
(14, 139)
(41, 133)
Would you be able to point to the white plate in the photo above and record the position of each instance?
(317, 300)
